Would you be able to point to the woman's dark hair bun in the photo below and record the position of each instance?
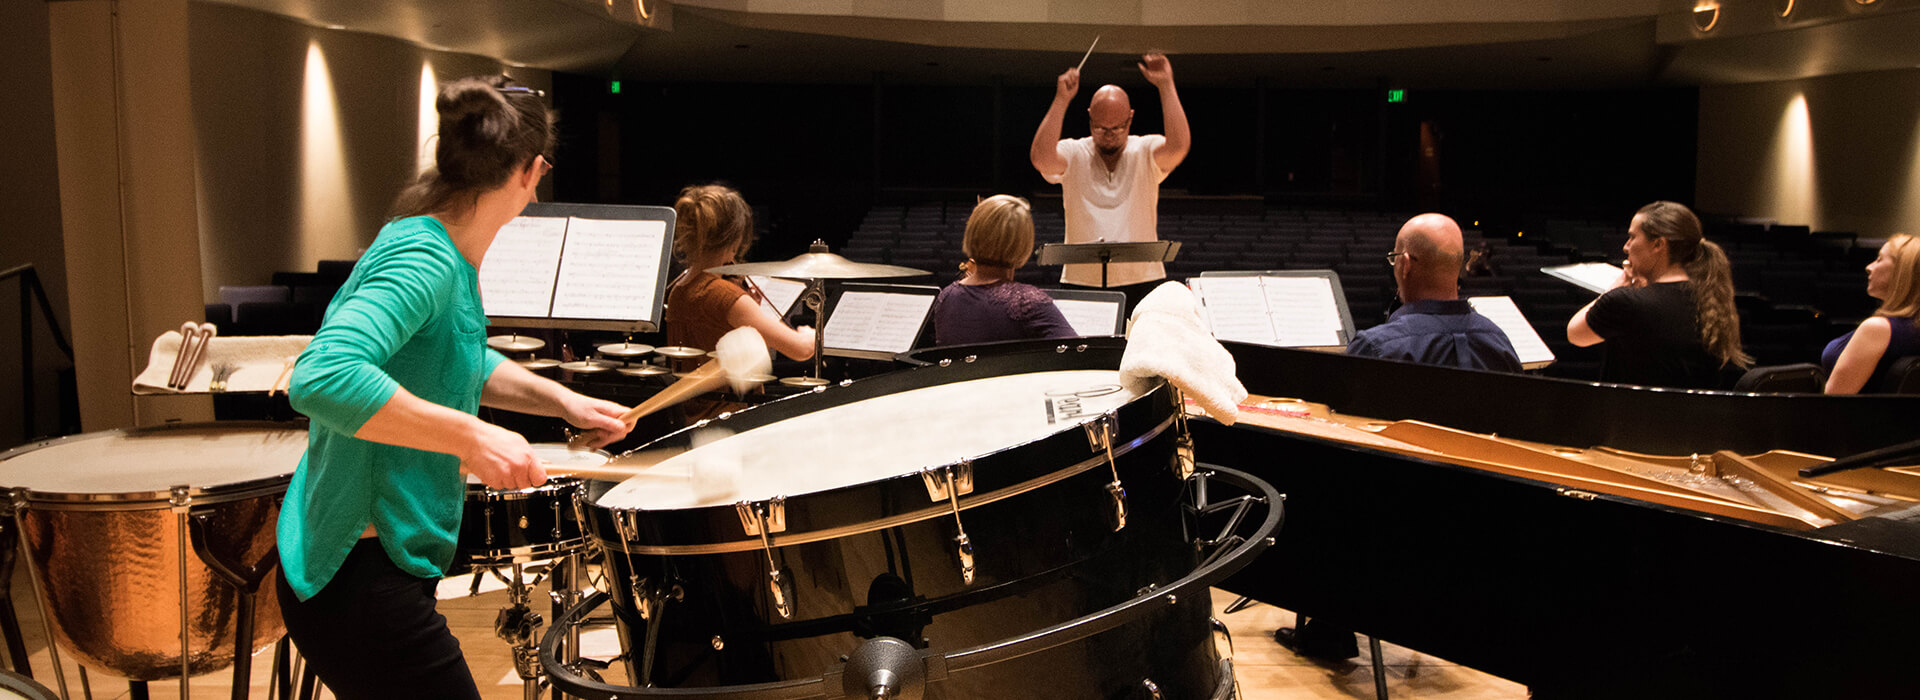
(490, 127)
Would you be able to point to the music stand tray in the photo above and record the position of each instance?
(1104, 252)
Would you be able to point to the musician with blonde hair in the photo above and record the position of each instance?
(713, 226)
(1669, 319)
(986, 305)
(1863, 357)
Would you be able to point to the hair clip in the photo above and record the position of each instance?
(527, 90)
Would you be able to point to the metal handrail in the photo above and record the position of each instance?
(30, 291)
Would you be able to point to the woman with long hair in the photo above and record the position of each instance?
(1862, 358)
(1669, 319)
(986, 305)
(392, 381)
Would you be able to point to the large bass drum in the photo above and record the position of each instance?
(112, 520)
(947, 506)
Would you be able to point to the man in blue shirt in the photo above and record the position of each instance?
(1435, 326)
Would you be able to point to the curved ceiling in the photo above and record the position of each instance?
(1334, 43)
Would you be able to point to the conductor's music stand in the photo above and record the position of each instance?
(1103, 252)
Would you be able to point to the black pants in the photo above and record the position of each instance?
(1134, 292)
(373, 632)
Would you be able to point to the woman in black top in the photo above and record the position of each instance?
(1669, 320)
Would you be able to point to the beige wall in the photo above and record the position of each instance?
(306, 134)
(30, 210)
(1838, 153)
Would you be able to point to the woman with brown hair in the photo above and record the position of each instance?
(391, 382)
(1669, 319)
(987, 305)
(1862, 358)
(713, 226)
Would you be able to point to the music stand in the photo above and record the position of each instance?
(1104, 252)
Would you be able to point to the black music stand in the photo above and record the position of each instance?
(1103, 252)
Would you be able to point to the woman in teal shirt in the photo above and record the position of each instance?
(392, 382)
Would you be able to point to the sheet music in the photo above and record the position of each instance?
(516, 277)
(780, 293)
(1595, 277)
(1304, 311)
(1090, 317)
(876, 321)
(608, 269)
(1236, 308)
(1526, 341)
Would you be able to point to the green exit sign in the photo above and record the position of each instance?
(613, 87)
(1396, 95)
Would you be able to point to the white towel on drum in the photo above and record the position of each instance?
(258, 361)
(1167, 338)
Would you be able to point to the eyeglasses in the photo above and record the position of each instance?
(1122, 126)
(522, 89)
(1393, 258)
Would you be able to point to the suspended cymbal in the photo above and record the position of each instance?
(515, 343)
(817, 264)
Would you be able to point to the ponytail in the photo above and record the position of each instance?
(490, 128)
(1712, 282)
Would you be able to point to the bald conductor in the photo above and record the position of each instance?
(1110, 181)
(1435, 326)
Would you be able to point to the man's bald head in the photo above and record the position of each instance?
(1110, 116)
(1434, 251)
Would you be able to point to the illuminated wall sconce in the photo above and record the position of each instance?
(1706, 16)
(1784, 7)
(640, 9)
(1865, 2)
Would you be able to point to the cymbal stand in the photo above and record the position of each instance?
(519, 625)
(816, 300)
(564, 588)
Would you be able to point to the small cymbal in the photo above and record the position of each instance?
(587, 366)
(538, 363)
(680, 351)
(625, 350)
(643, 370)
(803, 381)
(515, 343)
(820, 265)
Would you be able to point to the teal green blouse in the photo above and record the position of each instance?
(410, 316)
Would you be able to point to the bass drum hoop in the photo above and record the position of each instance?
(24, 497)
(1225, 564)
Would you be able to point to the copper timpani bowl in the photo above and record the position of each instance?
(104, 522)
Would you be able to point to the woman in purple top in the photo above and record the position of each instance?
(987, 305)
(1862, 357)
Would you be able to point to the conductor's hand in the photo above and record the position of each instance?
(1067, 85)
(601, 419)
(1157, 69)
(501, 459)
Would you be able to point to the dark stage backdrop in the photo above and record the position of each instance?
(814, 158)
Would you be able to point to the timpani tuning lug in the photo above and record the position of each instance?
(765, 518)
(1100, 438)
(948, 483)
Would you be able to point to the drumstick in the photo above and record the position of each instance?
(630, 464)
(207, 331)
(707, 378)
(187, 331)
(1083, 59)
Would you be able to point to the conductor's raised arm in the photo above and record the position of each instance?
(1045, 153)
(1159, 72)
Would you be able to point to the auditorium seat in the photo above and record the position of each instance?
(235, 295)
(276, 318)
(1902, 378)
(1797, 378)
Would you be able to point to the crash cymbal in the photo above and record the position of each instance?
(817, 263)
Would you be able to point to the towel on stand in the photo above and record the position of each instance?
(1167, 338)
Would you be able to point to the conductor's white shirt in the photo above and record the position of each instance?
(1117, 206)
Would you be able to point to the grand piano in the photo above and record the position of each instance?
(1493, 520)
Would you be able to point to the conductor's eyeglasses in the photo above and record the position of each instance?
(1393, 258)
(1122, 126)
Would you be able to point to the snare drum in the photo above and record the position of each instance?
(509, 526)
(105, 541)
(947, 506)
